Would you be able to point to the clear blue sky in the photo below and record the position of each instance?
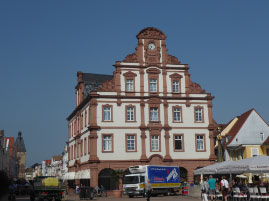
(44, 43)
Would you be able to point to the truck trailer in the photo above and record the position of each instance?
(49, 188)
(164, 179)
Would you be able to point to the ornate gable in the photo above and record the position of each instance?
(131, 58)
(196, 89)
(151, 33)
(172, 60)
(107, 86)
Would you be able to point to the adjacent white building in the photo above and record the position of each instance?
(148, 112)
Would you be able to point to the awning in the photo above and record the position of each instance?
(69, 176)
(83, 174)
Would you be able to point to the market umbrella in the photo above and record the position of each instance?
(256, 164)
(211, 169)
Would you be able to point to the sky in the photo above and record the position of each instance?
(44, 43)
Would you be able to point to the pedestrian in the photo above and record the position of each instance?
(212, 187)
(97, 189)
(77, 189)
(148, 189)
(204, 189)
(224, 187)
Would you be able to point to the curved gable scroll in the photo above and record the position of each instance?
(131, 58)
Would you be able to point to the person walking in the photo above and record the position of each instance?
(224, 187)
(148, 189)
(204, 189)
(212, 187)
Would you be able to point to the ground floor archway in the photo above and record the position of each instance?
(105, 178)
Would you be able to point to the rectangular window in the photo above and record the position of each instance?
(107, 113)
(254, 152)
(178, 142)
(175, 86)
(262, 137)
(130, 114)
(85, 146)
(129, 85)
(177, 114)
(153, 85)
(131, 143)
(154, 143)
(107, 142)
(267, 151)
(89, 150)
(198, 114)
(154, 114)
(200, 146)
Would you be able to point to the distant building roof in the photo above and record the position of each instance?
(19, 143)
(47, 162)
(57, 158)
(9, 143)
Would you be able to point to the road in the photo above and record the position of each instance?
(124, 198)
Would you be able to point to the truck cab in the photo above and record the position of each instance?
(134, 184)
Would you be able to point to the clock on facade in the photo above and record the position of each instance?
(151, 46)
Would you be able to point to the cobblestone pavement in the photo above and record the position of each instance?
(125, 198)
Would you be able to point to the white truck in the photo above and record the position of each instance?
(164, 180)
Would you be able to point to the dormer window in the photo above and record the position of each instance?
(153, 85)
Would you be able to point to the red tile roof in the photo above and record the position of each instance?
(266, 142)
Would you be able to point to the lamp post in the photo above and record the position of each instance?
(219, 138)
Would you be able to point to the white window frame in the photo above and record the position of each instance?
(129, 85)
(155, 143)
(175, 86)
(178, 138)
(107, 143)
(107, 113)
(199, 114)
(154, 114)
(153, 85)
(252, 150)
(130, 114)
(131, 142)
(177, 118)
(200, 143)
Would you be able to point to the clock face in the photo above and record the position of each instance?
(151, 46)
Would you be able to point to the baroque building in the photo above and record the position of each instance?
(148, 112)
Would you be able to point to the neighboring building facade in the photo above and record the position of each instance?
(2, 151)
(11, 159)
(21, 156)
(56, 166)
(148, 112)
(246, 136)
(46, 167)
(64, 170)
